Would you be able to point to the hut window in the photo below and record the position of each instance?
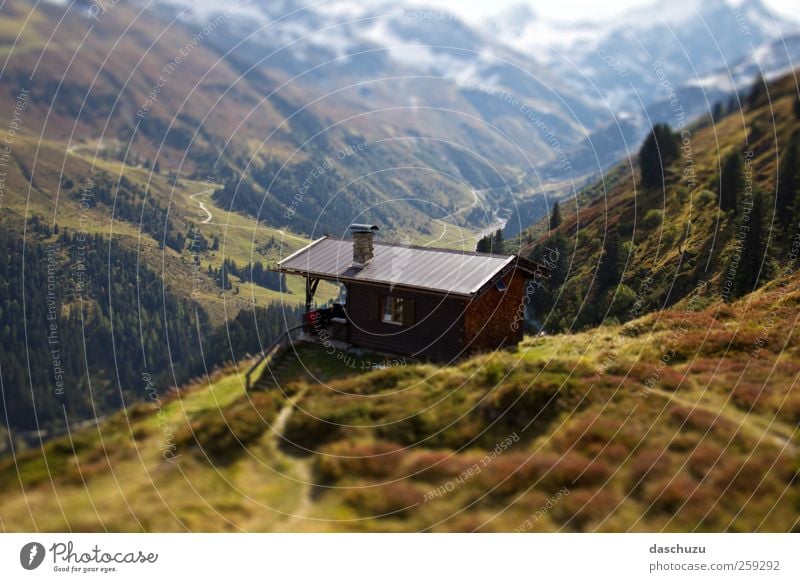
(392, 309)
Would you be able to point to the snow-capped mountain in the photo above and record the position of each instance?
(641, 56)
(510, 98)
(579, 75)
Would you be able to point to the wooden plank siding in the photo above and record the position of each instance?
(489, 317)
(433, 325)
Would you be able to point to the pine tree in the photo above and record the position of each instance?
(544, 291)
(555, 217)
(733, 105)
(609, 272)
(788, 181)
(498, 241)
(757, 92)
(749, 273)
(730, 181)
(718, 111)
(658, 150)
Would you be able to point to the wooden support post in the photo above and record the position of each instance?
(311, 290)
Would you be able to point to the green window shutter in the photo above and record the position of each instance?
(408, 312)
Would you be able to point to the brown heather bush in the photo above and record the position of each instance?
(789, 409)
(703, 509)
(723, 312)
(371, 460)
(592, 433)
(614, 454)
(666, 495)
(387, 500)
(719, 343)
(570, 470)
(743, 474)
(702, 366)
(703, 458)
(682, 442)
(699, 419)
(508, 474)
(650, 464)
(638, 372)
(750, 395)
(472, 521)
(615, 382)
(438, 466)
(584, 508)
(671, 379)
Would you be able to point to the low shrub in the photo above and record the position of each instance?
(699, 419)
(372, 460)
(584, 507)
(594, 433)
(667, 495)
(390, 500)
(223, 434)
(573, 470)
(518, 404)
(438, 466)
(653, 218)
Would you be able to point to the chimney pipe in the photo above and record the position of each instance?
(363, 249)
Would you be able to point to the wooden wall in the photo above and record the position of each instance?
(436, 332)
(443, 327)
(489, 318)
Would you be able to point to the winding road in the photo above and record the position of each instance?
(202, 206)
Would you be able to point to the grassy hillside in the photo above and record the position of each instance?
(662, 405)
(682, 420)
(227, 105)
(63, 179)
(625, 248)
(90, 148)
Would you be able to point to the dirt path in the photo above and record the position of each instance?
(301, 468)
(751, 425)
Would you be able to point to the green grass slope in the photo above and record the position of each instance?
(661, 243)
(684, 420)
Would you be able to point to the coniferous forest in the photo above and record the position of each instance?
(74, 302)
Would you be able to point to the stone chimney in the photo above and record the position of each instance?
(363, 249)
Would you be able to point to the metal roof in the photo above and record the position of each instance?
(440, 270)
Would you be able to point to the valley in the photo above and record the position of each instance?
(170, 154)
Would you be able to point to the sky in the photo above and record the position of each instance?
(583, 9)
